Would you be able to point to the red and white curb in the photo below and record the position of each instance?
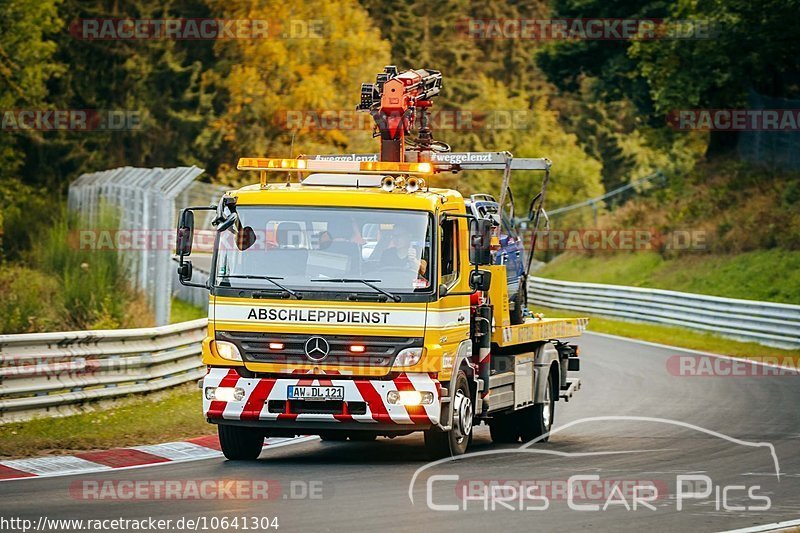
(195, 449)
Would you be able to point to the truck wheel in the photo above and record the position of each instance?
(537, 420)
(240, 443)
(503, 429)
(454, 442)
(517, 315)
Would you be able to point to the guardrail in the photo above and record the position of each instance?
(767, 323)
(48, 374)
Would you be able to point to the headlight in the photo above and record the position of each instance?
(408, 357)
(228, 351)
(225, 394)
(409, 397)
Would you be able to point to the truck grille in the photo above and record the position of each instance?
(378, 351)
(316, 408)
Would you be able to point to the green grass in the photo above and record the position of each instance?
(671, 335)
(60, 285)
(183, 312)
(162, 417)
(771, 275)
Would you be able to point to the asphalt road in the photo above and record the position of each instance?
(707, 427)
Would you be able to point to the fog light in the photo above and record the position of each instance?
(225, 394)
(409, 397)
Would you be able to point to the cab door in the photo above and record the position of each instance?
(449, 316)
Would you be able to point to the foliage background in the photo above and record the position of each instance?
(596, 108)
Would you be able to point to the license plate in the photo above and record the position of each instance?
(296, 392)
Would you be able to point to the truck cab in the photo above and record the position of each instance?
(340, 305)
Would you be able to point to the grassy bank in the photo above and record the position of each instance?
(672, 336)
(163, 417)
(771, 275)
(181, 311)
(59, 286)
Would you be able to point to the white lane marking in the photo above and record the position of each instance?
(175, 451)
(287, 442)
(766, 527)
(44, 466)
(686, 350)
(269, 444)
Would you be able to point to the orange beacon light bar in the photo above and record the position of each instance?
(305, 165)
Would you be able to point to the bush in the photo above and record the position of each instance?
(94, 284)
(31, 302)
(737, 206)
(26, 213)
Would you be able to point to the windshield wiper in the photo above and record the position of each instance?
(271, 279)
(367, 282)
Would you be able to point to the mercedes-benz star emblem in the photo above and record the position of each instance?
(317, 348)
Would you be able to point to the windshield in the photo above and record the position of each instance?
(326, 249)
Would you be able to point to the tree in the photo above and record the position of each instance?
(260, 81)
(26, 65)
(752, 46)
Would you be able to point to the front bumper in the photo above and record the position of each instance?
(265, 402)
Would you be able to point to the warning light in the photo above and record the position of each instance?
(393, 167)
(260, 163)
(321, 165)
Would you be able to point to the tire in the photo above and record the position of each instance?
(240, 443)
(537, 420)
(517, 315)
(503, 429)
(440, 444)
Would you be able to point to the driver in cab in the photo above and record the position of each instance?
(400, 255)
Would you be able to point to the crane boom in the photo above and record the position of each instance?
(396, 100)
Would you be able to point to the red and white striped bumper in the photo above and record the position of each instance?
(258, 392)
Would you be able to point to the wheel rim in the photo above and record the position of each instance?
(462, 423)
(546, 411)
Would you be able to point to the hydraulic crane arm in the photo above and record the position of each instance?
(396, 101)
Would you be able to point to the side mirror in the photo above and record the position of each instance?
(183, 242)
(245, 238)
(480, 245)
(185, 271)
(480, 280)
(230, 221)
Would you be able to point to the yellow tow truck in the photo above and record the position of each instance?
(351, 300)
